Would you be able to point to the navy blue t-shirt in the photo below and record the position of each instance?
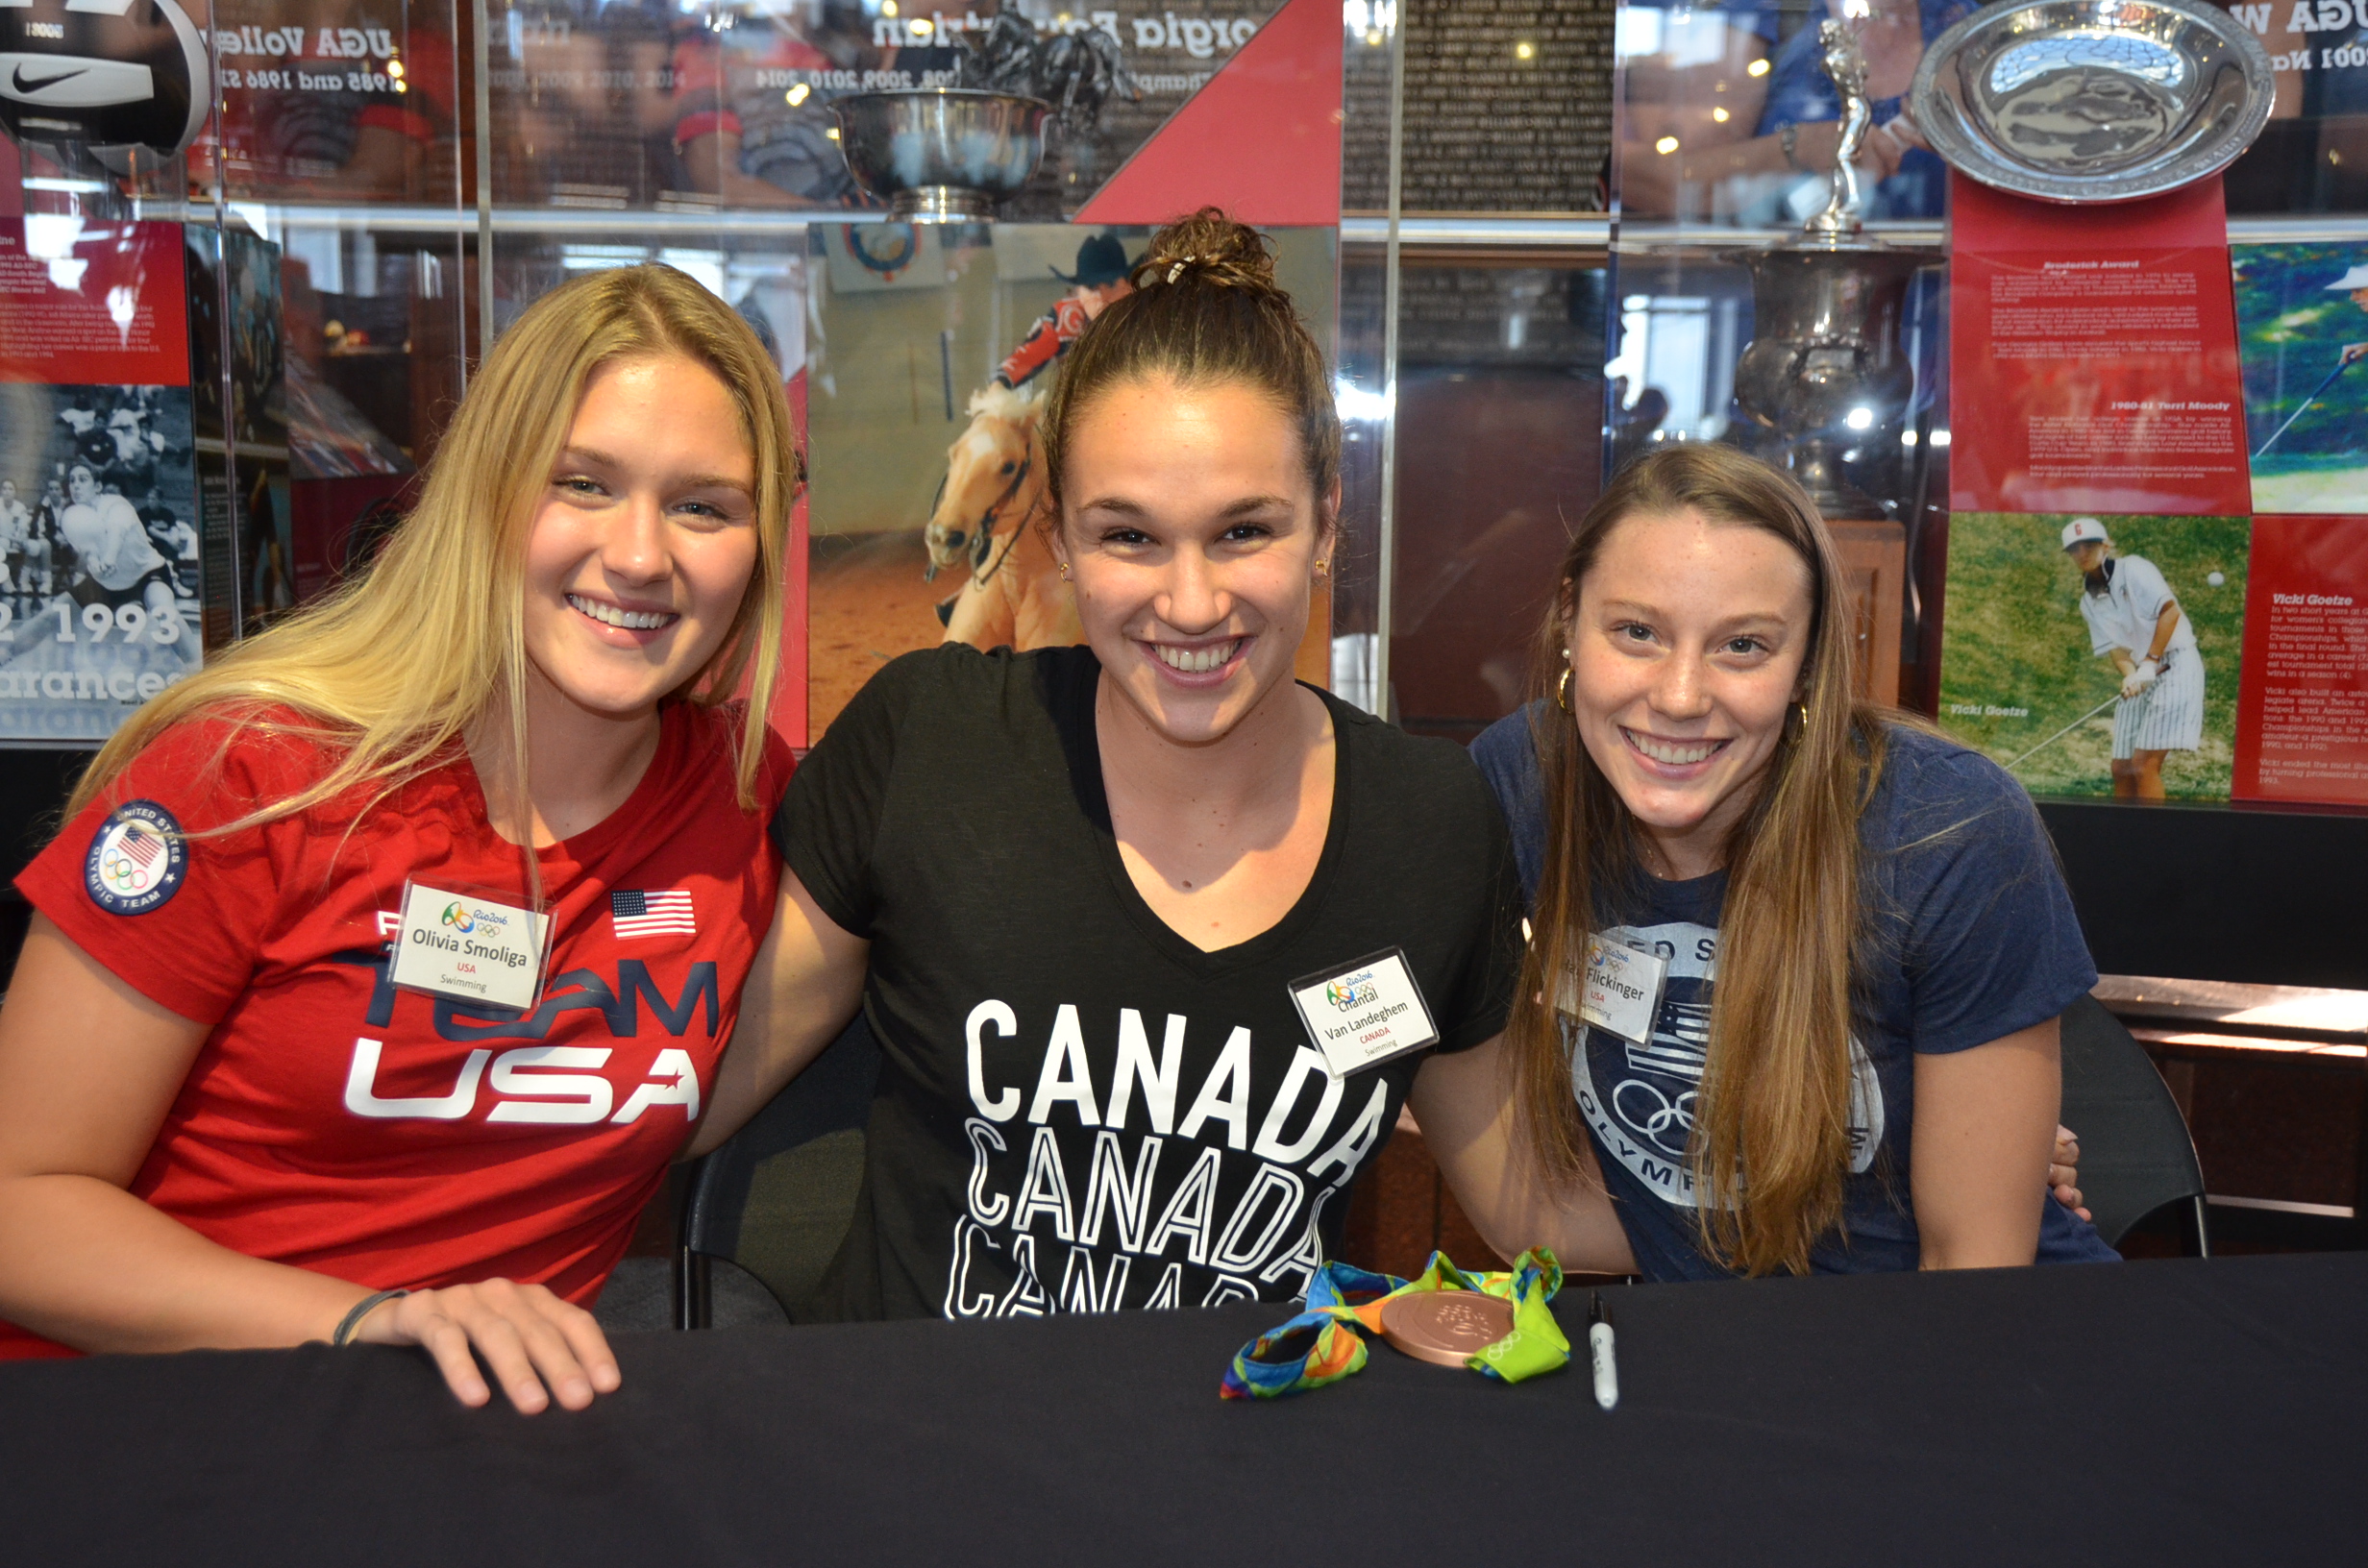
(1978, 940)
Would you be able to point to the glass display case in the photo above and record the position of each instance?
(1554, 235)
(1736, 319)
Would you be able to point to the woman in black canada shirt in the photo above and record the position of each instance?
(1084, 882)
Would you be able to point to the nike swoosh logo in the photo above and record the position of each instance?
(23, 86)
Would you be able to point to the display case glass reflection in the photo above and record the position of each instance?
(1732, 126)
(727, 106)
(1761, 301)
(1728, 116)
(1500, 409)
(343, 101)
(2313, 157)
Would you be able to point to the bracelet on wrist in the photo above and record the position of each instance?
(344, 1335)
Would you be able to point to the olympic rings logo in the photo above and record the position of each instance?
(136, 860)
(1353, 994)
(123, 873)
(1653, 1116)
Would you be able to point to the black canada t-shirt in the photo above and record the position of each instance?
(1080, 1111)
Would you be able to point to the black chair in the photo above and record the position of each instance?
(778, 1198)
(2137, 1157)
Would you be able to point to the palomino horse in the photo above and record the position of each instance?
(986, 519)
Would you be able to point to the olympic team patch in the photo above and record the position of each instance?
(138, 860)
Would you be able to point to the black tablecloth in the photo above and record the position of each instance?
(2155, 1412)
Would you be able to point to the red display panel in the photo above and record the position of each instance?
(98, 305)
(1261, 139)
(2093, 355)
(2301, 726)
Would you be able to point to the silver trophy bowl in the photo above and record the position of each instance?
(2094, 100)
(941, 152)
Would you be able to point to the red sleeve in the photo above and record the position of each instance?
(701, 93)
(697, 67)
(720, 728)
(1040, 348)
(707, 122)
(780, 762)
(180, 919)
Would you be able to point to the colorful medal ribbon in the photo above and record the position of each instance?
(1326, 1342)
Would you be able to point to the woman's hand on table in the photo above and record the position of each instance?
(538, 1346)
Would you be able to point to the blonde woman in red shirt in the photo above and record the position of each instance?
(228, 1117)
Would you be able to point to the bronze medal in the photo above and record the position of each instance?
(1448, 1327)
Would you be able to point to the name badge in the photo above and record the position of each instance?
(470, 946)
(1622, 990)
(1366, 1013)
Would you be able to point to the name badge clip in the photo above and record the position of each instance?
(470, 944)
(1365, 1014)
(1620, 992)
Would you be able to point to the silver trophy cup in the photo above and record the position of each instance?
(1825, 369)
(941, 153)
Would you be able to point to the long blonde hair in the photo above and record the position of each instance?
(393, 667)
(1771, 1142)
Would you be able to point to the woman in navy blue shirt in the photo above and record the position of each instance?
(1843, 939)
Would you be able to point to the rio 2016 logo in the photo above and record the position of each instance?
(1344, 994)
(458, 918)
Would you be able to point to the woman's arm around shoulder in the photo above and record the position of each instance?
(89, 1069)
(804, 986)
(1984, 1126)
(1465, 1104)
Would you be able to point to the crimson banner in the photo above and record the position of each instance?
(2093, 355)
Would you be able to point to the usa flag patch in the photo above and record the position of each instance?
(636, 911)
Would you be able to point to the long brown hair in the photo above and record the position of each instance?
(1205, 310)
(392, 668)
(1771, 1140)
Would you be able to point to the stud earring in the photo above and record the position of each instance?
(1323, 569)
(1064, 570)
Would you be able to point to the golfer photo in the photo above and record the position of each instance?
(2135, 621)
(2356, 284)
(2302, 315)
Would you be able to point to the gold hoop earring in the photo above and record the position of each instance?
(1323, 569)
(1561, 691)
(1064, 570)
(1796, 722)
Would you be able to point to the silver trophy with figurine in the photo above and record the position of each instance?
(1826, 370)
(953, 154)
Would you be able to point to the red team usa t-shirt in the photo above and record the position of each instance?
(387, 1136)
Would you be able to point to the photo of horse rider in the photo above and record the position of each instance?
(928, 481)
(995, 480)
(1099, 280)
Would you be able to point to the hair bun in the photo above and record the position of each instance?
(1212, 247)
